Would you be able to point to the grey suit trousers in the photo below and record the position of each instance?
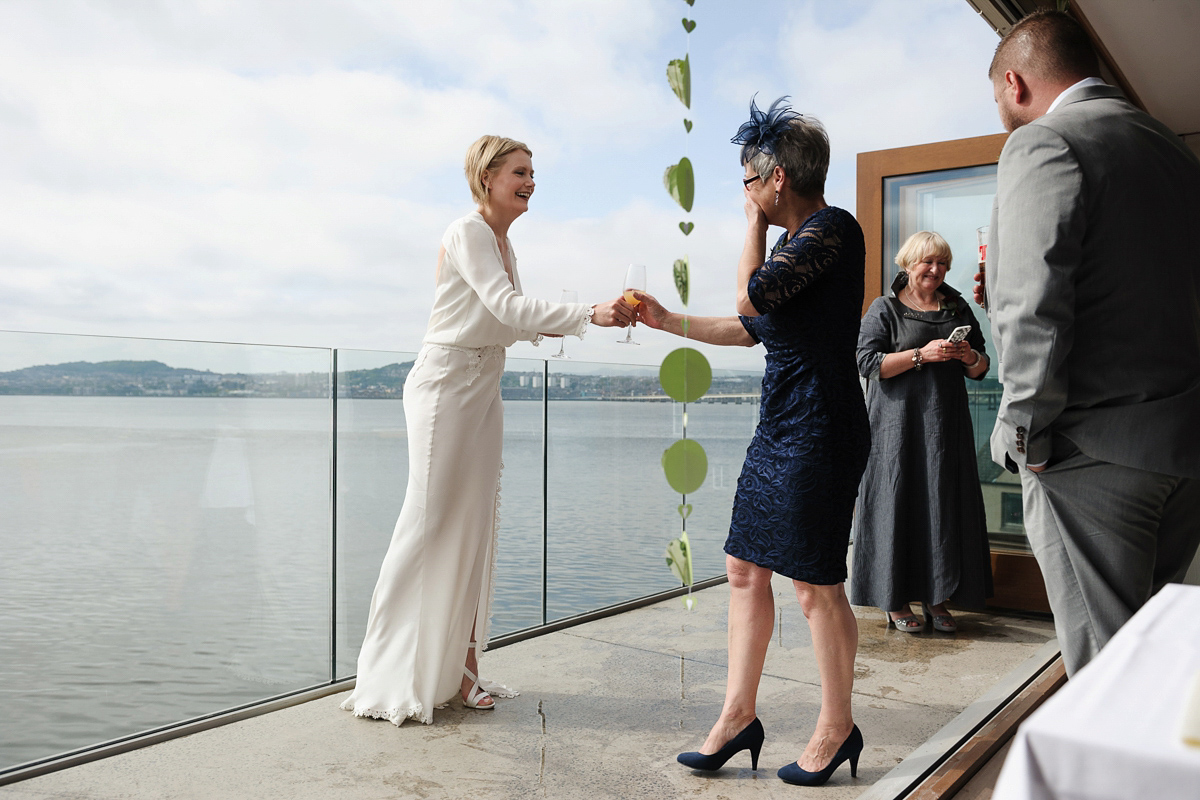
(1107, 537)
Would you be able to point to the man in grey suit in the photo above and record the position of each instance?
(1093, 288)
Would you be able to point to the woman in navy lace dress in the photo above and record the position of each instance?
(795, 497)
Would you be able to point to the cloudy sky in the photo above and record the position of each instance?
(281, 172)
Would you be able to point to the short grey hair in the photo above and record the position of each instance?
(802, 151)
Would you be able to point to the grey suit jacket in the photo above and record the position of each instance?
(1093, 285)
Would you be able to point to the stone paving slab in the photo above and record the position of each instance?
(605, 707)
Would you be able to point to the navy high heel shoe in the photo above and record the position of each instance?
(849, 751)
(750, 738)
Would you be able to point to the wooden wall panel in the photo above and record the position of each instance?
(876, 165)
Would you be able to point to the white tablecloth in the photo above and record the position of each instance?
(1113, 730)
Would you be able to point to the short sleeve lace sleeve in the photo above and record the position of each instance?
(751, 326)
(794, 264)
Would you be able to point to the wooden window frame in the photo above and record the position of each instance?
(1018, 581)
(876, 165)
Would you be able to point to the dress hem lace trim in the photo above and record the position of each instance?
(498, 689)
(395, 716)
(399, 715)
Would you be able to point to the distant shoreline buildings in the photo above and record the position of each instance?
(156, 379)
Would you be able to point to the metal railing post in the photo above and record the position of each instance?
(545, 480)
(333, 490)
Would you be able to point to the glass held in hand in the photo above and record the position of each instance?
(568, 296)
(981, 235)
(635, 280)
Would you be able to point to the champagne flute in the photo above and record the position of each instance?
(635, 279)
(568, 296)
(982, 236)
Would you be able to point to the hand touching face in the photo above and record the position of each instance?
(758, 196)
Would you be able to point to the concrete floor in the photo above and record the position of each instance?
(604, 709)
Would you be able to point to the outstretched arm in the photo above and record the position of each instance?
(472, 247)
(613, 314)
(710, 330)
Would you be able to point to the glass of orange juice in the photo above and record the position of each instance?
(635, 280)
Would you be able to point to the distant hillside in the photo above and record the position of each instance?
(386, 381)
(81, 369)
(155, 379)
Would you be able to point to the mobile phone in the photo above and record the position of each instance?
(958, 334)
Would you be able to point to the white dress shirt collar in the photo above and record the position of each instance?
(1083, 83)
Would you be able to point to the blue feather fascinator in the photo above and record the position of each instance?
(762, 130)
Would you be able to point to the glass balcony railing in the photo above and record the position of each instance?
(191, 527)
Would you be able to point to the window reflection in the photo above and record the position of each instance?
(956, 202)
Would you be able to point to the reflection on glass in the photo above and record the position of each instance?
(568, 296)
(164, 520)
(166, 525)
(957, 203)
(601, 420)
(372, 475)
(517, 599)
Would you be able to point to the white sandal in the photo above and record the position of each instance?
(476, 694)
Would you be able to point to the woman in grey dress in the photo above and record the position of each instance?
(920, 531)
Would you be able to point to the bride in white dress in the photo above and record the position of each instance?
(430, 610)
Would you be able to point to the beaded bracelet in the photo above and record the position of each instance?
(916, 358)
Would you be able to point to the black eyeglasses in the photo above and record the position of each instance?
(747, 181)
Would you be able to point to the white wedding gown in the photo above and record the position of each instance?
(435, 585)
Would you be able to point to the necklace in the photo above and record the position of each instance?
(920, 306)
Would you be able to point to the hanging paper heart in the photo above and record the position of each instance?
(685, 510)
(679, 75)
(679, 560)
(683, 278)
(687, 123)
(686, 227)
(689, 25)
(681, 183)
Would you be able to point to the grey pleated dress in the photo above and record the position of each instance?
(920, 533)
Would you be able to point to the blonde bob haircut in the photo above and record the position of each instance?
(921, 244)
(487, 153)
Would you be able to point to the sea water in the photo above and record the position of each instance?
(166, 558)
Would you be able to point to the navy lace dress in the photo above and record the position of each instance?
(795, 497)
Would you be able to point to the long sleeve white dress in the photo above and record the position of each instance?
(435, 584)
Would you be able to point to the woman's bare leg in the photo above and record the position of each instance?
(835, 642)
(751, 619)
(472, 664)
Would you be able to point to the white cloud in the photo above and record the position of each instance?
(270, 172)
(899, 74)
(885, 74)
